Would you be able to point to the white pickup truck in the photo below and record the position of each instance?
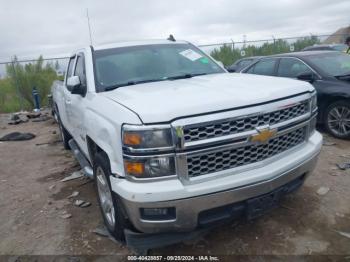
(175, 143)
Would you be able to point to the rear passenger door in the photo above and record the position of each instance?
(266, 66)
(292, 67)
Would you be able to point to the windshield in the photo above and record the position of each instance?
(147, 63)
(334, 63)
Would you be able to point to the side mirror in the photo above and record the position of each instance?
(74, 85)
(307, 76)
(232, 68)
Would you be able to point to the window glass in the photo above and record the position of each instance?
(290, 67)
(245, 63)
(70, 67)
(80, 69)
(119, 66)
(340, 48)
(332, 63)
(263, 67)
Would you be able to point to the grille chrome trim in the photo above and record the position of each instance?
(240, 143)
(180, 124)
(184, 150)
(183, 168)
(220, 129)
(220, 160)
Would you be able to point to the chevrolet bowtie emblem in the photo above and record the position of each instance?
(264, 135)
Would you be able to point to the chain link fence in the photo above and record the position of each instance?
(18, 77)
(229, 52)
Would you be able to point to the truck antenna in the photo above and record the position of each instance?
(88, 20)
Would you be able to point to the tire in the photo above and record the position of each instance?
(65, 136)
(112, 212)
(337, 119)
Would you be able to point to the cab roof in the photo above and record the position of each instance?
(137, 43)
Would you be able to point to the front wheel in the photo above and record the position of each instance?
(337, 119)
(110, 205)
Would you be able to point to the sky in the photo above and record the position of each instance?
(29, 28)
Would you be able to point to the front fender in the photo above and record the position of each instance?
(103, 126)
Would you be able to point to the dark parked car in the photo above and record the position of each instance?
(327, 71)
(242, 63)
(334, 47)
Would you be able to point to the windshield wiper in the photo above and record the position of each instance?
(130, 83)
(345, 76)
(184, 76)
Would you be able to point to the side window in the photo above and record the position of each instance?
(80, 69)
(244, 63)
(290, 67)
(263, 67)
(70, 67)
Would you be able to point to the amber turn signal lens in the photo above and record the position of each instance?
(134, 168)
(132, 139)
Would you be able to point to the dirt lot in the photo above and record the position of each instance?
(33, 202)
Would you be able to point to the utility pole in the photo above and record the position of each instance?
(244, 41)
(274, 39)
(88, 20)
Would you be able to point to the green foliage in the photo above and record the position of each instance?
(20, 82)
(9, 101)
(228, 55)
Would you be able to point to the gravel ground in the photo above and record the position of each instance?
(34, 207)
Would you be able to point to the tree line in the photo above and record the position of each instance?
(17, 86)
(228, 54)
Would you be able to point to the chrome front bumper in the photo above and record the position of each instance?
(188, 209)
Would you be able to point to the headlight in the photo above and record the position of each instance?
(143, 147)
(143, 137)
(313, 102)
(150, 167)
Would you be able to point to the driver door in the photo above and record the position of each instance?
(77, 104)
(66, 112)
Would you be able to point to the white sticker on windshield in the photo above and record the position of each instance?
(190, 54)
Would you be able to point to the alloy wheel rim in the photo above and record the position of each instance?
(339, 120)
(105, 196)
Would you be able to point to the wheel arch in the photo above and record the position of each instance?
(93, 149)
(327, 102)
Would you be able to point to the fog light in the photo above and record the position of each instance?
(167, 213)
(134, 168)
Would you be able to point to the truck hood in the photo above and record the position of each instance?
(166, 100)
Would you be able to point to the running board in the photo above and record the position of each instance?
(84, 163)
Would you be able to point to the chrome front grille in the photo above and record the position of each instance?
(205, 163)
(232, 126)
